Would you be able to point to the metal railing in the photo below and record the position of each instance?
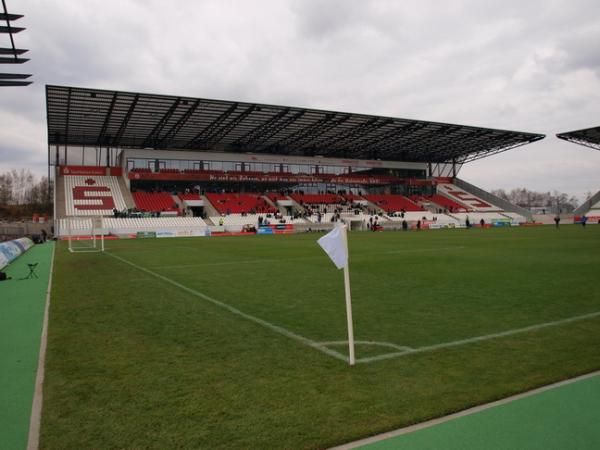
(484, 195)
(585, 206)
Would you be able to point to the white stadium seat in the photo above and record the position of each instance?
(92, 195)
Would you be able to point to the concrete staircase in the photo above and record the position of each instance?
(126, 193)
(60, 202)
(497, 201)
(209, 210)
(585, 206)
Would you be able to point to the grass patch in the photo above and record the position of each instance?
(136, 362)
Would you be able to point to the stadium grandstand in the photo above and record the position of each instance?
(588, 137)
(183, 166)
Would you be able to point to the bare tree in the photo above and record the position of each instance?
(22, 194)
(525, 198)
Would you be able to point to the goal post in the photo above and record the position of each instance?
(85, 234)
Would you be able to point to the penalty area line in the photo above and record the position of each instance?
(237, 312)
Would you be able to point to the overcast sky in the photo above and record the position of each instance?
(519, 65)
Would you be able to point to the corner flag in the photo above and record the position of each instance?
(335, 244)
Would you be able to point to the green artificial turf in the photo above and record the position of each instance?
(22, 303)
(565, 417)
(134, 361)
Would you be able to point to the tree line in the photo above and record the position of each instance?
(552, 202)
(23, 194)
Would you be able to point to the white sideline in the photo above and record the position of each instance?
(237, 312)
(33, 439)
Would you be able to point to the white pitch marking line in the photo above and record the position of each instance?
(262, 261)
(479, 338)
(375, 343)
(33, 438)
(423, 250)
(337, 355)
(264, 323)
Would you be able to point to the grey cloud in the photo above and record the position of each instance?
(317, 19)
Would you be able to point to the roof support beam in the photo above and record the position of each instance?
(218, 134)
(67, 118)
(357, 132)
(168, 138)
(116, 140)
(277, 128)
(256, 133)
(152, 138)
(304, 136)
(101, 137)
(206, 132)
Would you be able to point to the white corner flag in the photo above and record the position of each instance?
(335, 244)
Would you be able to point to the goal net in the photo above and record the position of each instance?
(85, 234)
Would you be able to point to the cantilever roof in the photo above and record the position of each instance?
(590, 137)
(11, 55)
(93, 117)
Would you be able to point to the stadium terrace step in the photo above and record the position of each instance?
(462, 197)
(185, 226)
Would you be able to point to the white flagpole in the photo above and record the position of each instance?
(348, 300)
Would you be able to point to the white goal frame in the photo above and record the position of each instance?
(85, 234)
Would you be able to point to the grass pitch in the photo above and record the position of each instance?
(238, 342)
